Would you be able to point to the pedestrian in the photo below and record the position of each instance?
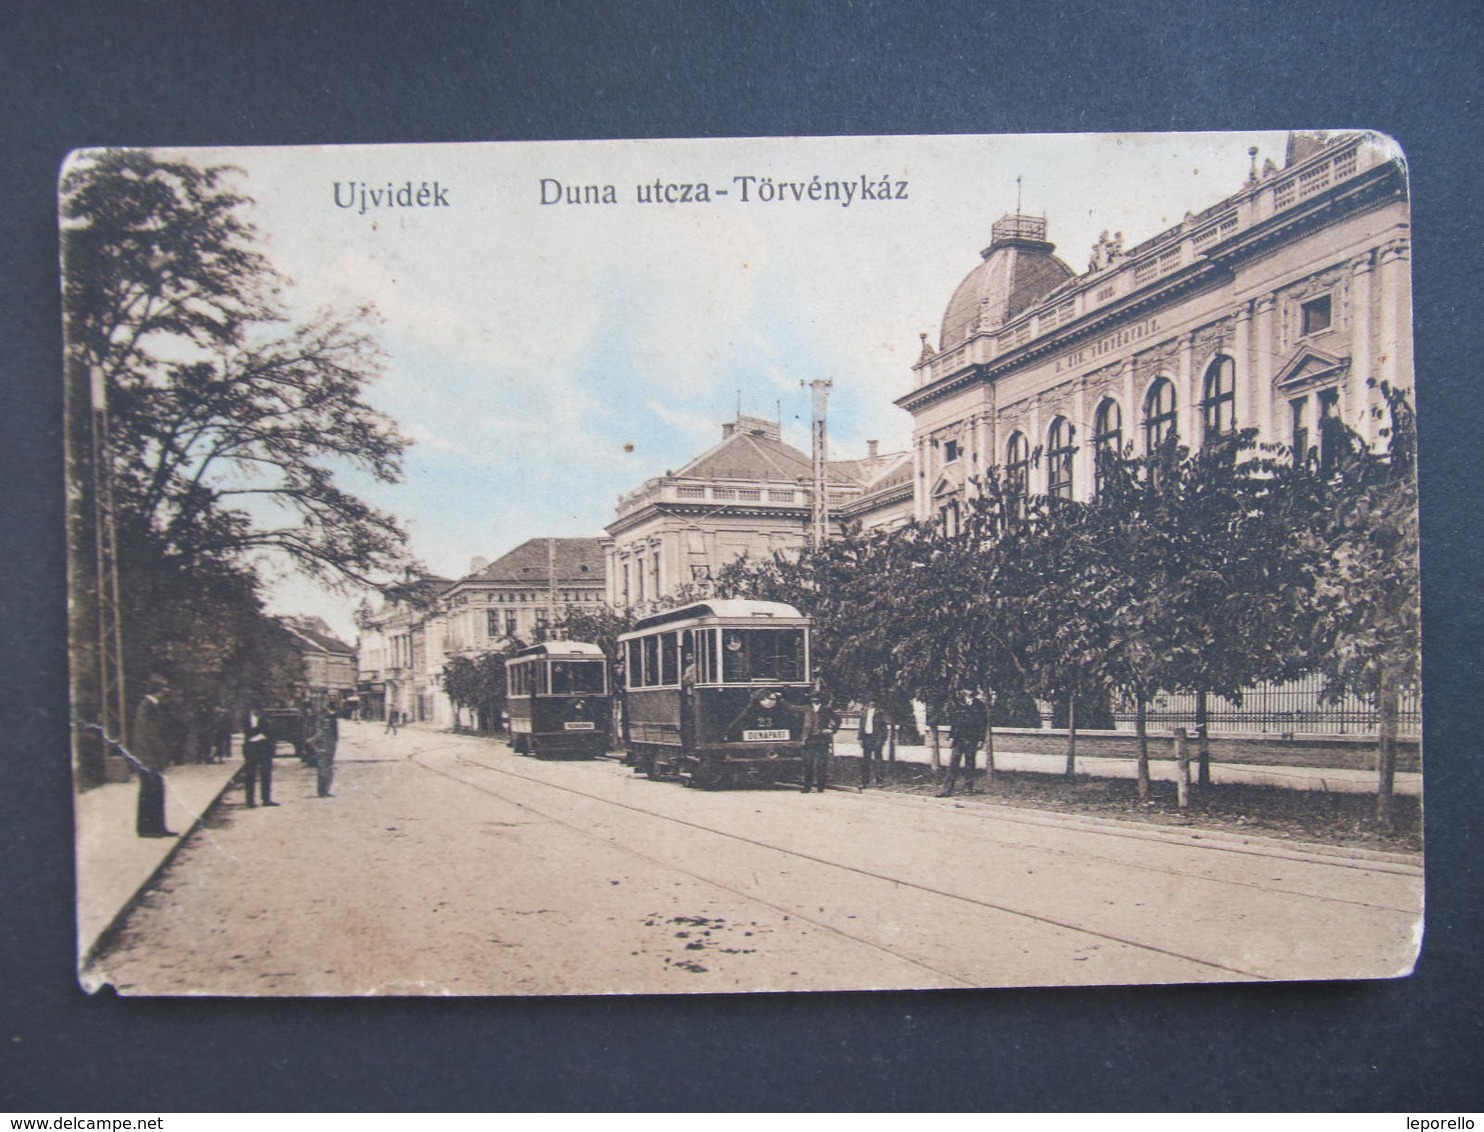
(326, 740)
(872, 733)
(150, 754)
(258, 748)
(817, 724)
(221, 734)
(391, 722)
(968, 721)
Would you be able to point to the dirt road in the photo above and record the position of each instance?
(448, 865)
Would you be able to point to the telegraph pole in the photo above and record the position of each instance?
(819, 511)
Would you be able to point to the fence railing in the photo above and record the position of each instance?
(1294, 708)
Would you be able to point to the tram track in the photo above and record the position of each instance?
(865, 873)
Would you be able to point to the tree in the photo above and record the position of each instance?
(228, 427)
(1368, 592)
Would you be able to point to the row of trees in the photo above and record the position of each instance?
(229, 427)
(1203, 572)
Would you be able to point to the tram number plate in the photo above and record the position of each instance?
(773, 736)
(579, 726)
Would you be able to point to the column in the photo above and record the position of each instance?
(1355, 412)
(1265, 361)
(1085, 456)
(1187, 395)
(920, 486)
(1242, 365)
(1394, 346)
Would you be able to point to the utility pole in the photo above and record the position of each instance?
(551, 587)
(100, 710)
(819, 511)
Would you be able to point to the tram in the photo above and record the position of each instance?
(714, 692)
(559, 701)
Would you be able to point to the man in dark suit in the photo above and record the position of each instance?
(257, 754)
(817, 722)
(151, 755)
(969, 720)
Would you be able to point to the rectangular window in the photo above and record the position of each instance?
(1299, 407)
(635, 676)
(706, 638)
(751, 655)
(670, 660)
(651, 661)
(950, 451)
(491, 622)
(510, 622)
(1329, 428)
(1316, 315)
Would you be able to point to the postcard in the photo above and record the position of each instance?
(741, 565)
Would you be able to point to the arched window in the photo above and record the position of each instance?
(1159, 415)
(1059, 464)
(1017, 469)
(1219, 399)
(1107, 435)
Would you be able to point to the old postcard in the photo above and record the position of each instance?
(743, 565)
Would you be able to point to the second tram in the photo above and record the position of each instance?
(715, 691)
(559, 700)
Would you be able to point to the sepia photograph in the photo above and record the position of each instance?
(743, 565)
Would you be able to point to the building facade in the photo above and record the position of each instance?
(750, 496)
(1277, 308)
(329, 663)
(519, 594)
(392, 658)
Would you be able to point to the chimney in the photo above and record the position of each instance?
(728, 428)
(477, 564)
(871, 449)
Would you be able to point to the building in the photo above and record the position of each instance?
(749, 495)
(392, 651)
(329, 663)
(1274, 308)
(522, 592)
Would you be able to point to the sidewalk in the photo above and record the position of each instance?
(1162, 769)
(114, 865)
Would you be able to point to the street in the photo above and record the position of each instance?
(446, 864)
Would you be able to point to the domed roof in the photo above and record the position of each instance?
(1017, 271)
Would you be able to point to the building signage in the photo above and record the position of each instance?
(1107, 344)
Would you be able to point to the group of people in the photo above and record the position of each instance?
(967, 718)
(150, 751)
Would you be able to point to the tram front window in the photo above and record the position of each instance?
(577, 677)
(762, 654)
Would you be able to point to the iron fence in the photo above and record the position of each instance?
(1294, 708)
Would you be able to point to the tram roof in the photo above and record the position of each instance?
(562, 650)
(723, 609)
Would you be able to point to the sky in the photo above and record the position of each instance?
(546, 358)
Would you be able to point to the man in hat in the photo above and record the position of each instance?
(151, 755)
(258, 746)
(817, 722)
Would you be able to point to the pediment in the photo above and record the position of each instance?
(947, 484)
(1309, 366)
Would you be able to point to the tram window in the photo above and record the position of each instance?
(669, 660)
(635, 678)
(762, 654)
(706, 672)
(651, 661)
(585, 676)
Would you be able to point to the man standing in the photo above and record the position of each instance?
(969, 721)
(872, 734)
(151, 755)
(326, 740)
(257, 755)
(817, 724)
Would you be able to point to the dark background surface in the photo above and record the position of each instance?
(75, 74)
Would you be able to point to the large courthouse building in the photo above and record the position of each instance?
(1275, 308)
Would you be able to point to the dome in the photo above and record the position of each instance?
(1017, 271)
